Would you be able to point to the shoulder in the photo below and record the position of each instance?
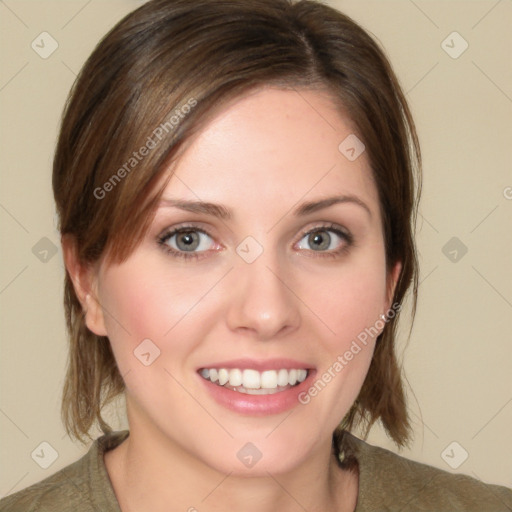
(83, 486)
(64, 490)
(388, 481)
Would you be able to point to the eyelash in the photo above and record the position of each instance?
(344, 235)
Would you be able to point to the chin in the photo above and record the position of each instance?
(245, 458)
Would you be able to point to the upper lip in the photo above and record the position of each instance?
(259, 364)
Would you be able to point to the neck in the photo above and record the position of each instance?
(152, 473)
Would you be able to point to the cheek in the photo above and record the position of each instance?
(351, 308)
(351, 301)
(139, 303)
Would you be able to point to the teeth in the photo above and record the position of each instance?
(301, 375)
(269, 379)
(251, 379)
(282, 377)
(235, 377)
(254, 382)
(223, 376)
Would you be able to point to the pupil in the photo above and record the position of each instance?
(320, 240)
(189, 239)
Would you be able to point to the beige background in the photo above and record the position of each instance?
(459, 357)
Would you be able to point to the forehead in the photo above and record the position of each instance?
(269, 150)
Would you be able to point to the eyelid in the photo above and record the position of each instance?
(327, 226)
(200, 227)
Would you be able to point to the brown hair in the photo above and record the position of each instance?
(152, 82)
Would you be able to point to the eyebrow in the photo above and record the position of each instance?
(222, 212)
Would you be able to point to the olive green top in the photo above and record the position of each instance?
(387, 482)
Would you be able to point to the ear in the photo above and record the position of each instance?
(84, 278)
(393, 277)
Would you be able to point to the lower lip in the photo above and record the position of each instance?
(258, 405)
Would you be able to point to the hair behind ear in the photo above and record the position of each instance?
(92, 377)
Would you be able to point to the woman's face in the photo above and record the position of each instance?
(271, 281)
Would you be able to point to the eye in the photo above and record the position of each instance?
(330, 240)
(186, 242)
(192, 242)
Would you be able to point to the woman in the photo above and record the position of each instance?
(236, 184)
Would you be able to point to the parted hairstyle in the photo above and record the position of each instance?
(150, 84)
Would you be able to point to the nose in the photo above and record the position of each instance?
(262, 301)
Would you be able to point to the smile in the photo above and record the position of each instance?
(254, 382)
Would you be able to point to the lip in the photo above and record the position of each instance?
(258, 405)
(259, 365)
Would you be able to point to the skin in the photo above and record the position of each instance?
(261, 156)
